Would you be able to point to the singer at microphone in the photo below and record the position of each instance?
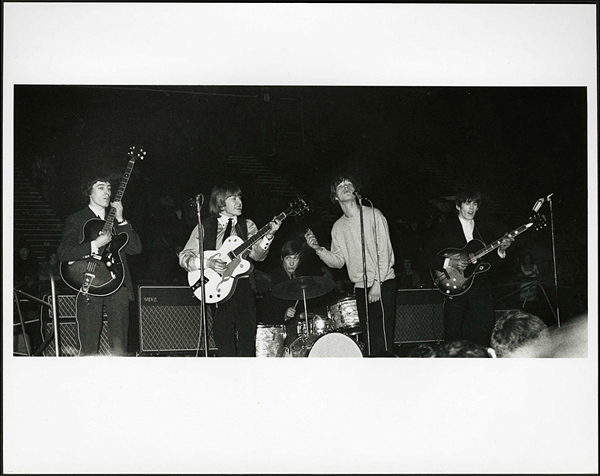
(347, 249)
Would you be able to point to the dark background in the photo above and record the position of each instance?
(412, 148)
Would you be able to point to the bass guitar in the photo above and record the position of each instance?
(453, 282)
(233, 251)
(102, 274)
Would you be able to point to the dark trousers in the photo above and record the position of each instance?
(234, 323)
(382, 319)
(90, 310)
(470, 316)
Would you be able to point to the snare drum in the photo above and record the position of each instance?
(270, 340)
(328, 345)
(344, 316)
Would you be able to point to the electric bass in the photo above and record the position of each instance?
(233, 251)
(102, 274)
(453, 282)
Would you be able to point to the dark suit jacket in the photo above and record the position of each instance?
(450, 235)
(72, 247)
(274, 308)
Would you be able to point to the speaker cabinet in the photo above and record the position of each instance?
(67, 329)
(170, 321)
(419, 316)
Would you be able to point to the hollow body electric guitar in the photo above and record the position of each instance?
(101, 274)
(453, 282)
(233, 252)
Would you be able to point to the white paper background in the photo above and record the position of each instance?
(183, 415)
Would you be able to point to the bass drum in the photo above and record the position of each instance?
(328, 345)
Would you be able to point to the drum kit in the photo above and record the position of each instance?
(333, 335)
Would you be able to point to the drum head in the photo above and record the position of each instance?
(335, 345)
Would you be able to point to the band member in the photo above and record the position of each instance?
(280, 311)
(234, 320)
(75, 246)
(469, 316)
(346, 249)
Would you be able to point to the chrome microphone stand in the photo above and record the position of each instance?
(364, 262)
(548, 198)
(199, 202)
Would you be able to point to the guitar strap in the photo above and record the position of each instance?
(479, 234)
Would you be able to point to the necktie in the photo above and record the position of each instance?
(228, 229)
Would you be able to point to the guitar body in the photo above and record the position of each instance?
(452, 282)
(219, 288)
(102, 274)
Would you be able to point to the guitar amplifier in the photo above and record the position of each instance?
(419, 316)
(67, 328)
(170, 321)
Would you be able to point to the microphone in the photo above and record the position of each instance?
(357, 195)
(200, 196)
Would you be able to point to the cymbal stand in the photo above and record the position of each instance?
(305, 311)
(199, 202)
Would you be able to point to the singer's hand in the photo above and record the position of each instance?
(374, 292)
(311, 239)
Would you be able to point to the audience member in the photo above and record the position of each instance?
(422, 350)
(514, 329)
(529, 273)
(409, 277)
(463, 348)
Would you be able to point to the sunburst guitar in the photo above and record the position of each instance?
(233, 251)
(453, 282)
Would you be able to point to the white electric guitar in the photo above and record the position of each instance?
(233, 251)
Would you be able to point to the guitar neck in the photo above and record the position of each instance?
(118, 197)
(250, 242)
(484, 251)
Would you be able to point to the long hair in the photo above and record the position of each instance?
(219, 194)
(338, 180)
(468, 196)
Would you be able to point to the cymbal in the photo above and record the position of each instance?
(313, 286)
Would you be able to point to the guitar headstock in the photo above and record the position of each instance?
(297, 208)
(136, 153)
(538, 221)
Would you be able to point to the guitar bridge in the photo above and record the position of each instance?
(87, 282)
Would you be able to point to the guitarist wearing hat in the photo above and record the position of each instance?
(105, 285)
(470, 314)
(234, 320)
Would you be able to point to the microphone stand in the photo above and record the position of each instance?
(548, 198)
(199, 202)
(364, 262)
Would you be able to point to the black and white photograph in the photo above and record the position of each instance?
(201, 199)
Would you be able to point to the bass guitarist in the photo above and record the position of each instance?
(234, 319)
(469, 315)
(75, 245)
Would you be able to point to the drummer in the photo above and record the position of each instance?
(279, 311)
